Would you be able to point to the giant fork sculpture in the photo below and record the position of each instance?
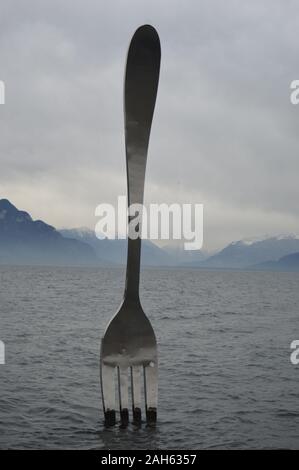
(129, 345)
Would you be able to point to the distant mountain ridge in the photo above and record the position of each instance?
(245, 253)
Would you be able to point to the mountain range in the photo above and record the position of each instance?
(27, 241)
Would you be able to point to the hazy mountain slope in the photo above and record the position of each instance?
(286, 263)
(25, 241)
(115, 251)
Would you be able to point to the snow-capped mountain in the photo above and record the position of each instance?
(249, 252)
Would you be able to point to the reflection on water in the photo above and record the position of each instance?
(130, 438)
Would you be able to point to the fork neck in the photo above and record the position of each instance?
(133, 270)
(136, 155)
(136, 164)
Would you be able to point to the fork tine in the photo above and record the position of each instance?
(151, 392)
(123, 395)
(108, 393)
(136, 393)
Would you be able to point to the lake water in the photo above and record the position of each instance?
(226, 380)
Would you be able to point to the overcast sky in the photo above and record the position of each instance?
(224, 134)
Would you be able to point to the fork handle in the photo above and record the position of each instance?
(140, 91)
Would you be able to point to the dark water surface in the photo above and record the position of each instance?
(226, 380)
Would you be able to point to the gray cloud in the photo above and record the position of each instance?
(224, 131)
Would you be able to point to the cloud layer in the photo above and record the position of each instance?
(224, 133)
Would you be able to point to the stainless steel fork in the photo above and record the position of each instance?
(129, 347)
